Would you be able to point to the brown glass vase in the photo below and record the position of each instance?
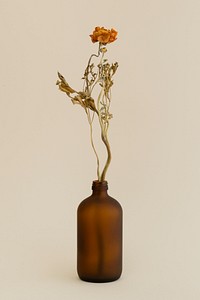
(99, 236)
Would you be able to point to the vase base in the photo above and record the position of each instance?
(99, 280)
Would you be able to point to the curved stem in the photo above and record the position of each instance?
(98, 77)
(96, 55)
(105, 140)
(92, 143)
(102, 108)
(89, 61)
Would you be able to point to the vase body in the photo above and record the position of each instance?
(99, 236)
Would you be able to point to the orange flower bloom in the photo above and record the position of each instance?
(103, 35)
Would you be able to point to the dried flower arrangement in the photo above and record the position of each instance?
(101, 77)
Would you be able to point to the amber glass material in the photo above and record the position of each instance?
(99, 255)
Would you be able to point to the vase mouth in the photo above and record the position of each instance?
(99, 184)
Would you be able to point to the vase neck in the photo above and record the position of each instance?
(99, 187)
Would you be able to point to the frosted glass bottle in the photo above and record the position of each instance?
(99, 236)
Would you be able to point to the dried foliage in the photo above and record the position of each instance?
(99, 77)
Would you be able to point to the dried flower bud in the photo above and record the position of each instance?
(104, 50)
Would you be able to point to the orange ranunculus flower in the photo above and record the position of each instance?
(113, 35)
(103, 35)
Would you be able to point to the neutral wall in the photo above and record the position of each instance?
(47, 165)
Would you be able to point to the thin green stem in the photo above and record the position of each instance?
(98, 77)
(88, 65)
(92, 142)
(109, 157)
(104, 138)
(102, 105)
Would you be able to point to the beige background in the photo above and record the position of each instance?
(47, 165)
